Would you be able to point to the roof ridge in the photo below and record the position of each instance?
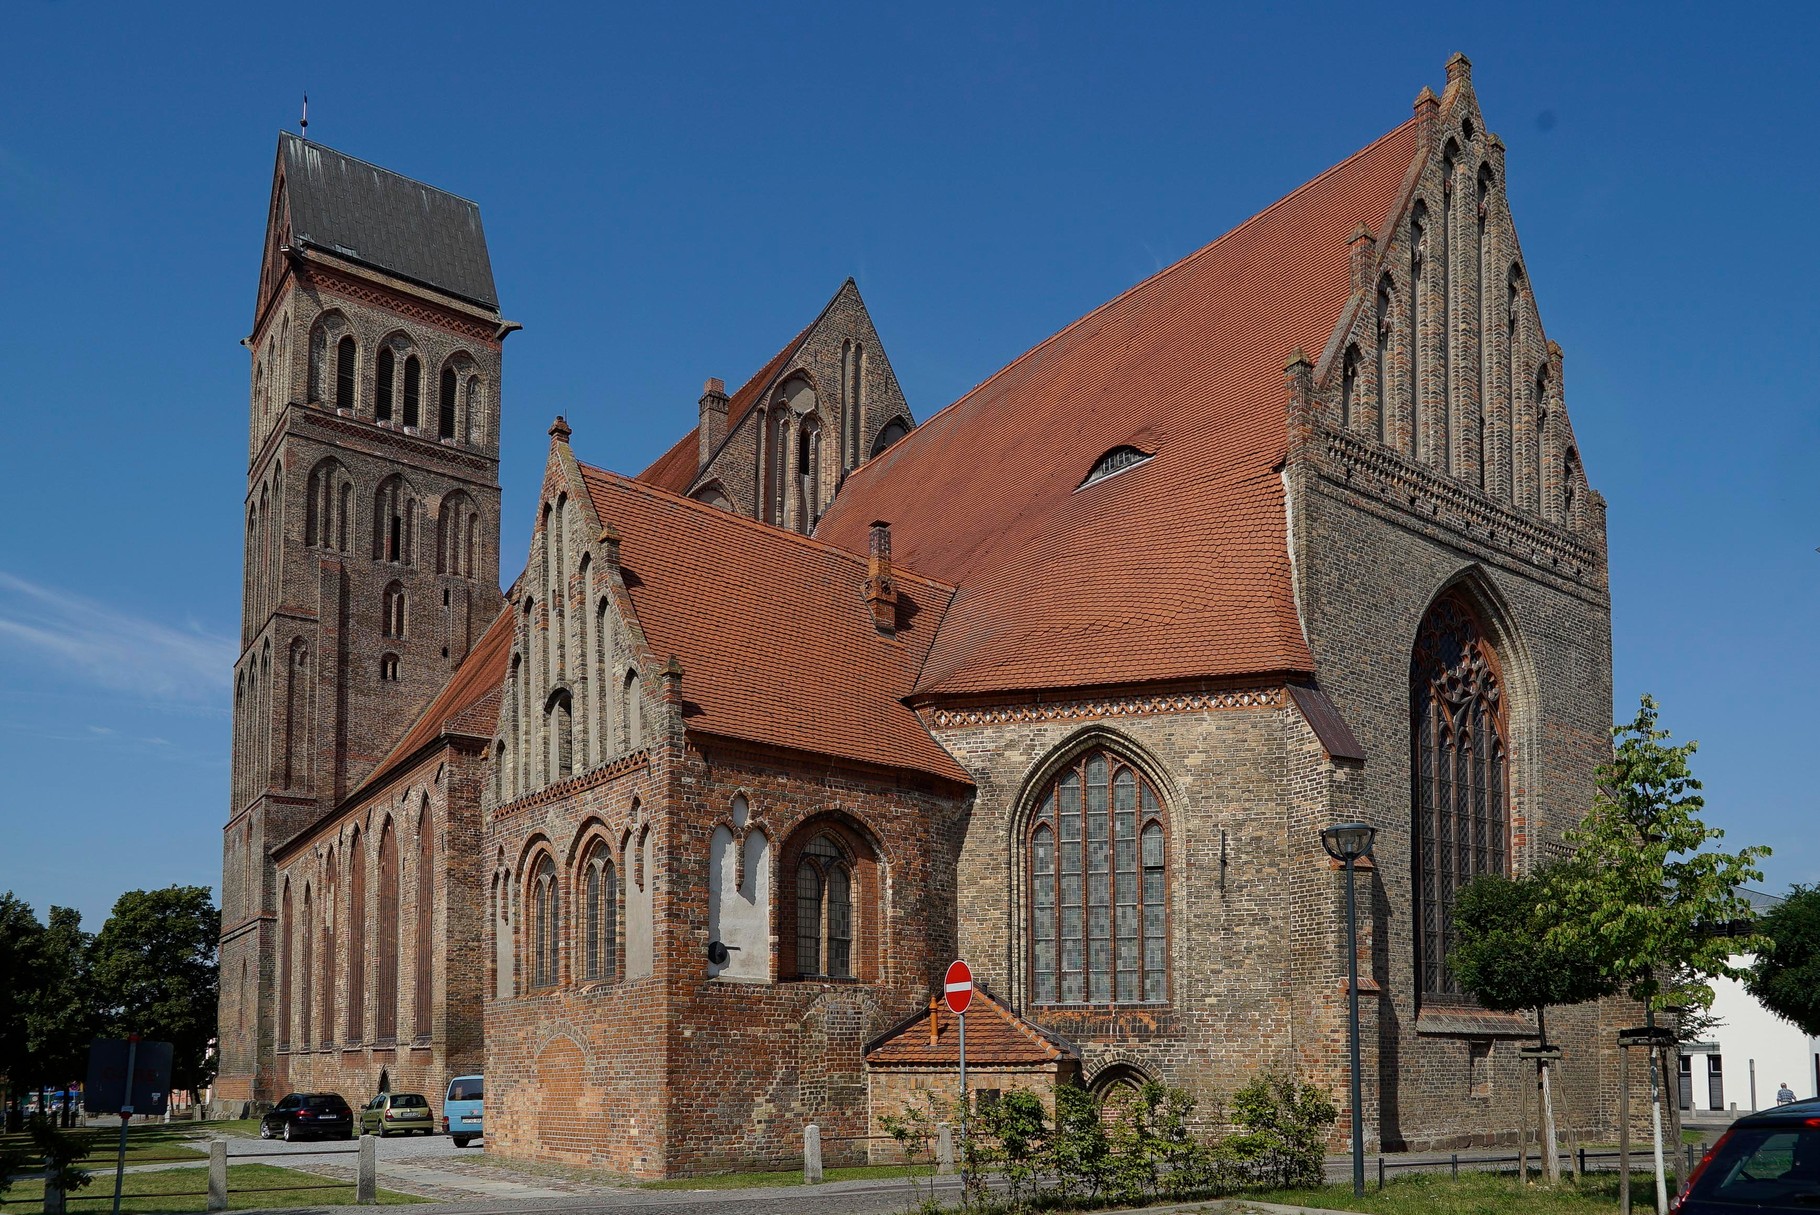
(377, 168)
(1141, 284)
(767, 529)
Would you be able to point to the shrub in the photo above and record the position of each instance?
(1078, 1153)
(1015, 1130)
(1283, 1140)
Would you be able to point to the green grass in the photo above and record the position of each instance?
(146, 1144)
(187, 1190)
(745, 1181)
(1474, 1194)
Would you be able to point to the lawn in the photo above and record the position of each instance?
(145, 1144)
(1475, 1194)
(250, 1187)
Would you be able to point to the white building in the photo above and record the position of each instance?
(1751, 1052)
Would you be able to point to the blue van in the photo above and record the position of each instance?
(461, 1110)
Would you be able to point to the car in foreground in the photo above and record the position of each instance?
(391, 1114)
(308, 1116)
(462, 1110)
(1768, 1161)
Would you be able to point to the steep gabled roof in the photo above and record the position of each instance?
(468, 703)
(677, 468)
(772, 629)
(1177, 567)
(384, 220)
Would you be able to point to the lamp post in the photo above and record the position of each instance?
(1350, 842)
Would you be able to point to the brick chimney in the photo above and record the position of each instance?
(713, 426)
(881, 588)
(1364, 248)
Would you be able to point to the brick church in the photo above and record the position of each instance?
(674, 836)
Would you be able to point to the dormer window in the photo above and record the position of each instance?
(1115, 461)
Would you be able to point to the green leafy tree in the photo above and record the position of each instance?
(1079, 1154)
(154, 963)
(1514, 954)
(1282, 1140)
(21, 962)
(1786, 977)
(1653, 905)
(1017, 1129)
(61, 1022)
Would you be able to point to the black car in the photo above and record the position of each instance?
(1767, 1161)
(308, 1116)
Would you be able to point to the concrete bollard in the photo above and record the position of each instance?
(218, 1175)
(366, 1185)
(944, 1149)
(812, 1154)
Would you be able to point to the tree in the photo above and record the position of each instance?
(1655, 908)
(61, 1021)
(21, 941)
(156, 974)
(1786, 977)
(1515, 955)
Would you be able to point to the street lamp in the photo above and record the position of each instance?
(1350, 842)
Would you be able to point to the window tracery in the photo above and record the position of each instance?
(1460, 775)
(1098, 867)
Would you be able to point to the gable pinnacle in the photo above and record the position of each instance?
(559, 429)
(1459, 68)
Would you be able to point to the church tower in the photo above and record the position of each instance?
(372, 523)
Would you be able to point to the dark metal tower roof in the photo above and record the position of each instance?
(385, 220)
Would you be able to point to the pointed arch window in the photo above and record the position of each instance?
(545, 924)
(413, 389)
(357, 939)
(393, 609)
(445, 406)
(1349, 381)
(600, 928)
(385, 993)
(824, 911)
(1386, 313)
(422, 997)
(1460, 774)
(1098, 867)
(344, 374)
(382, 384)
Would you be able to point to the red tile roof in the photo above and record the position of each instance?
(467, 704)
(677, 468)
(995, 1035)
(772, 629)
(1177, 567)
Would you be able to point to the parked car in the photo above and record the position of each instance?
(1767, 1161)
(461, 1110)
(307, 1116)
(397, 1114)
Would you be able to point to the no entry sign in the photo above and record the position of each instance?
(957, 988)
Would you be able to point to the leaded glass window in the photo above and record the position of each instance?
(600, 948)
(824, 912)
(1460, 776)
(1098, 887)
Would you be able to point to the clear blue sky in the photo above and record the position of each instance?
(670, 192)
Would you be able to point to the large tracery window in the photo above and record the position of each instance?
(1098, 887)
(1461, 762)
(545, 925)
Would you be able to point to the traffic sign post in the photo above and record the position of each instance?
(957, 990)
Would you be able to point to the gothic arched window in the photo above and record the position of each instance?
(1098, 864)
(382, 385)
(544, 925)
(393, 610)
(1349, 382)
(357, 939)
(344, 374)
(1386, 301)
(600, 924)
(445, 406)
(385, 993)
(824, 911)
(413, 389)
(1460, 775)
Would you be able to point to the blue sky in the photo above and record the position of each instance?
(671, 194)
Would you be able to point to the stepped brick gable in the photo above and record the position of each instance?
(676, 837)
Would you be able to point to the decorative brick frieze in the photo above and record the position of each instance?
(1110, 707)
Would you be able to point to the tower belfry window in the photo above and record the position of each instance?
(382, 386)
(1115, 461)
(413, 385)
(344, 374)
